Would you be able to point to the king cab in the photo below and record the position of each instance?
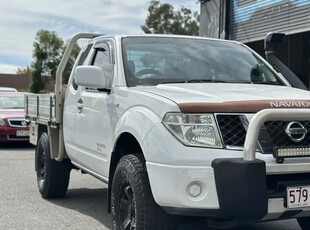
(176, 126)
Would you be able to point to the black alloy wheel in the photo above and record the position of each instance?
(127, 207)
(41, 169)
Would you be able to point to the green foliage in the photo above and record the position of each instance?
(37, 81)
(164, 19)
(23, 90)
(47, 53)
(44, 92)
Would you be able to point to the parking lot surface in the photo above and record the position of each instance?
(84, 207)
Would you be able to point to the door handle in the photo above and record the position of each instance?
(80, 105)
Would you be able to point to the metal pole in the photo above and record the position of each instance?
(59, 98)
(61, 68)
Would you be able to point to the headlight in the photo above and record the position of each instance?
(193, 129)
(2, 122)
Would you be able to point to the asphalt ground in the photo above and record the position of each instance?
(84, 207)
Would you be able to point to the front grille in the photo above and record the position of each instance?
(272, 134)
(232, 130)
(277, 184)
(276, 131)
(17, 123)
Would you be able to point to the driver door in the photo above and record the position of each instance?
(93, 125)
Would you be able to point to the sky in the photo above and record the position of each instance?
(21, 19)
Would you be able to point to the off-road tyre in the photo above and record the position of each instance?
(132, 203)
(304, 223)
(52, 176)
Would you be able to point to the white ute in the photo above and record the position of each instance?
(176, 126)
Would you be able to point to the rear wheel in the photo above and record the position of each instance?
(304, 223)
(133, 205)
(52, 176)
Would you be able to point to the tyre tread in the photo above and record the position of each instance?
(153, 216)
(57, 173)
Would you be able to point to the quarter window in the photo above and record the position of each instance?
(101, 58)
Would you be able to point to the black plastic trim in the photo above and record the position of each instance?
(242, 188)
(193, 212)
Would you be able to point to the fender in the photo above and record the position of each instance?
(128, 124)
(133, 116)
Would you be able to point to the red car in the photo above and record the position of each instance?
(13, 127)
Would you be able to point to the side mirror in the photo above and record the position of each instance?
(90, 76)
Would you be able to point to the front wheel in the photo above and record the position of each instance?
(133, 205)
(52, 176)
(304, 223)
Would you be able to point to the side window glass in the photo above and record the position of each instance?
(82, 61)
(101, 58)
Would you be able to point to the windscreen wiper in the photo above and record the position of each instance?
(192, 81)
(202, 81)
(205, 80)
(266, 82)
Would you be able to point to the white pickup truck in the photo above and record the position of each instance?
(176, 126)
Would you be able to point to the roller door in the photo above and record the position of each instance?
(251, 20)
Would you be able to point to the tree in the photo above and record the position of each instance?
(164, 19)
(24, 71)
(47, 53)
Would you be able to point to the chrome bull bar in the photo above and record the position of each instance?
(269, 115)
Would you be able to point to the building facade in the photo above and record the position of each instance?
(22, 82)
(249, 21)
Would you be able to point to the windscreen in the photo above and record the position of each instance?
(160, 60)
(12, 102)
